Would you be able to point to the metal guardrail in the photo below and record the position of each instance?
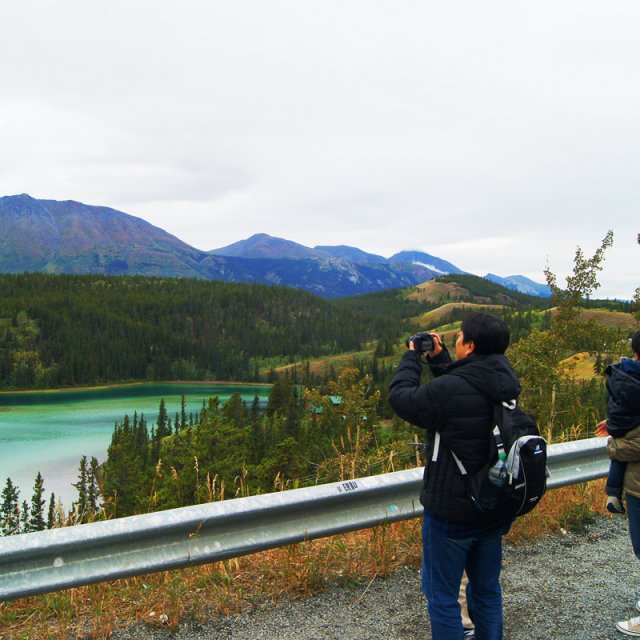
(44, 561)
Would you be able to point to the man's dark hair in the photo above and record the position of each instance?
(489, 333)
(635, 342)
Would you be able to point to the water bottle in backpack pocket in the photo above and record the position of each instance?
(497, 473)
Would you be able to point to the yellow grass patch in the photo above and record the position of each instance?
(435, 317)
(580, 365)
(611, 319)
(433, 291)
(615, 319)
(320, 366)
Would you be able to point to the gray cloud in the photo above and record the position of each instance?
(498, 136)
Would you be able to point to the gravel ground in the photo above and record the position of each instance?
(563, 587)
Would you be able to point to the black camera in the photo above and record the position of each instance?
(422, 342)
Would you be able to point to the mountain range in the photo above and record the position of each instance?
(70, 237)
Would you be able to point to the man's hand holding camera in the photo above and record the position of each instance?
(426, 344)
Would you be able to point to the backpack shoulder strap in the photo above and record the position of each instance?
(436, 447)
(502, 414)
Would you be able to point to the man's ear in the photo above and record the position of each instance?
(468, 347)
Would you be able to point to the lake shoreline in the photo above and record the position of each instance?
(48, 432)
(123, 385)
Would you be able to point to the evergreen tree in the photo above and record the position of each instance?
(93, 492)
(183, 412)
(282, 466)
(9, 510)
(141, 437)
(37, 522)
(281, 396)
(144, 328)
(235, 411)
(162, 429)
(24, 517)
(81, 486)
(256, 440)
(292, 416)
(126, 483)
(598, 366)
(51, 514)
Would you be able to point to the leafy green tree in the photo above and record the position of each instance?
(575, 332)
(27, 369)
(356, 408)
(550, 390)
(283, 466)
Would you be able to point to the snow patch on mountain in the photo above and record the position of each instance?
(429, 266)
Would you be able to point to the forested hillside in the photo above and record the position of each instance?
(81, 330)
(470, 288)
(313, 429)
(344, 428)
(63, 330)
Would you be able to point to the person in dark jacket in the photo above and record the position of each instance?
(456, 409)
(623, 415)
(623, 424)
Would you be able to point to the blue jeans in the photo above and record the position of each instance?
(443, 561)
(615, 479)
(633, 512)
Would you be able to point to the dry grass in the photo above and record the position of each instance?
(434, 317)
(433, 291)
(240, 584)
(606, 318)
(580, 366)
(561, 510)
(614, 319)
(321, 366)
(432, 320)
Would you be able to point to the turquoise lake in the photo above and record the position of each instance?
(49, 431)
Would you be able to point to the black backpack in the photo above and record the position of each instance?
(526, 465)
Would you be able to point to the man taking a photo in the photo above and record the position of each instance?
(456, 409)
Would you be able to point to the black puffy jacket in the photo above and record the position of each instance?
(458, 403)
(623, 397)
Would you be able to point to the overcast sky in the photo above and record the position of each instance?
(497, 135)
